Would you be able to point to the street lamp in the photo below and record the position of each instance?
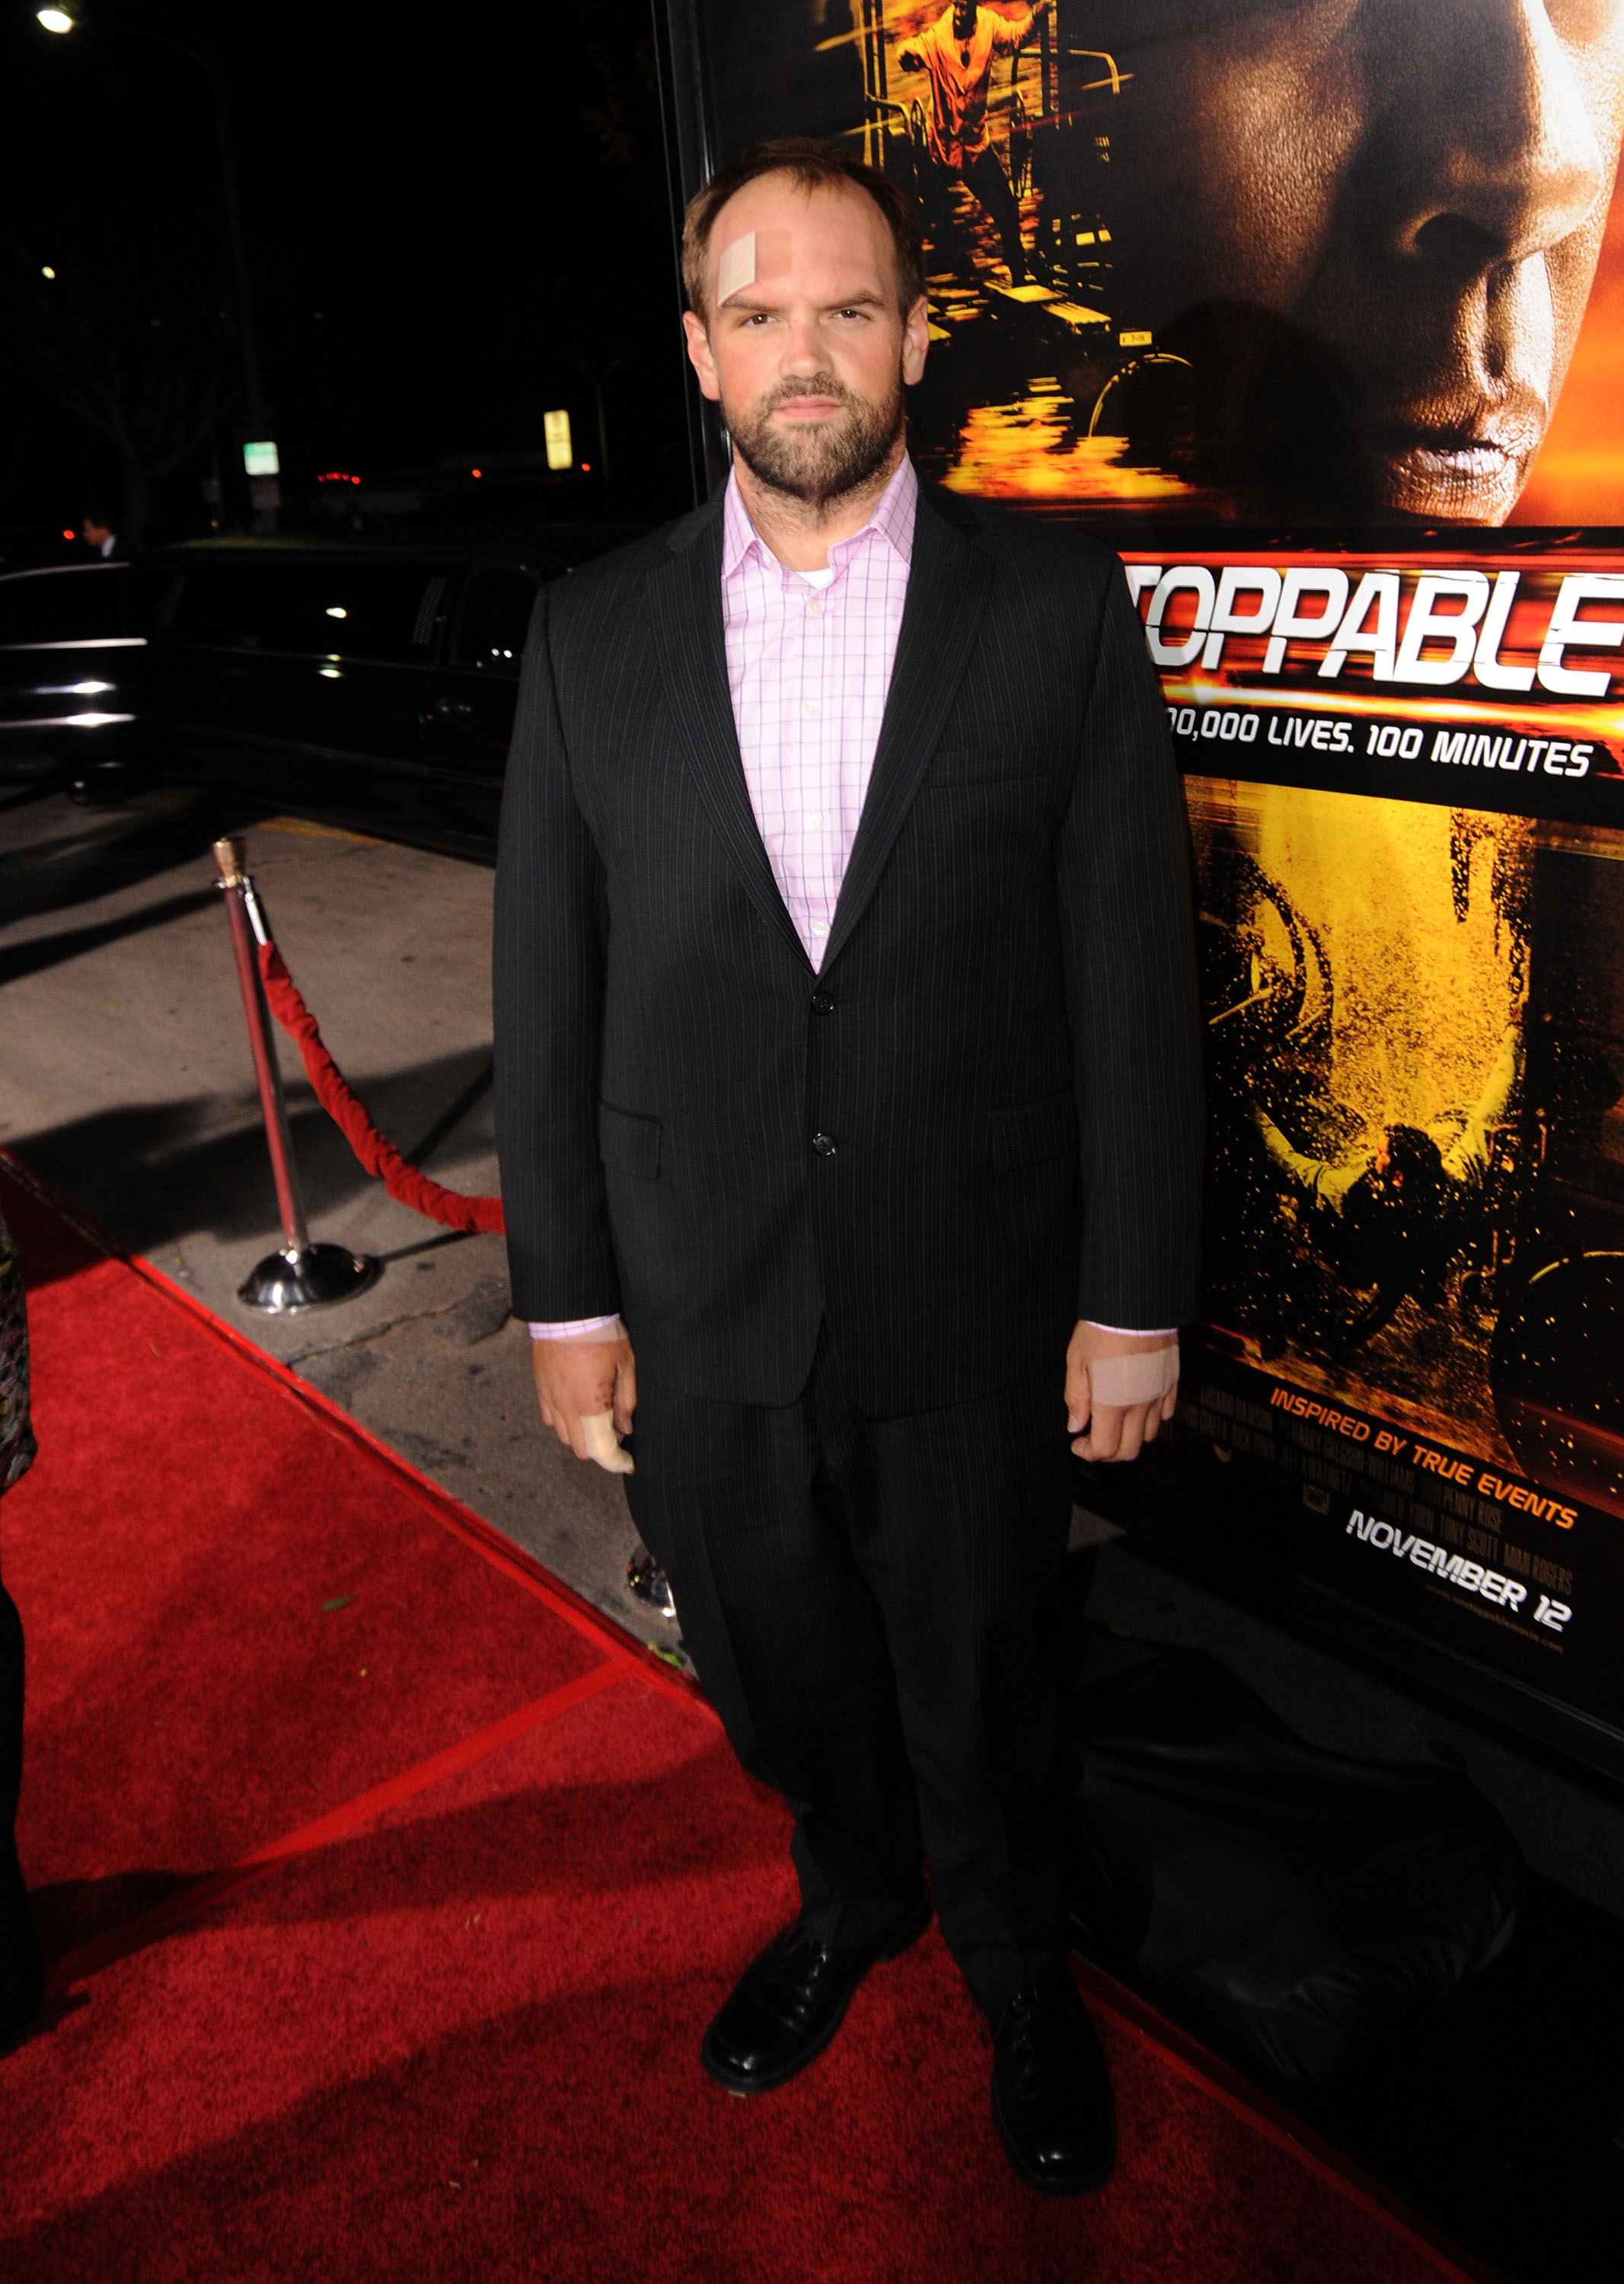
(66, 19)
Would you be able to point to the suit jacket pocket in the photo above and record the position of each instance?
(629, 1143)
(1028, 1133)
(1001, 764)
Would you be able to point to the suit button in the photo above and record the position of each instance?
(825, 1144)
(821, 1004)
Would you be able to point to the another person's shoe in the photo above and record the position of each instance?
(22, 1975)
(20, 1998)
(790, 2001)
(1051, 2097)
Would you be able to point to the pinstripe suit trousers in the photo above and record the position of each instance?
(859, 1596)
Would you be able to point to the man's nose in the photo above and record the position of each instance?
(1514, 160)
(803, 347)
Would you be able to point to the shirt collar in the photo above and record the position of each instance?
(892, 520)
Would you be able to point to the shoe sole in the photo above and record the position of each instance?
(1075, 2184)
(905, 1936)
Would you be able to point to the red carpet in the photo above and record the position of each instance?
(445, 2026)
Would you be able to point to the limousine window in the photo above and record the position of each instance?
(337, 607)
(496, 619)
(237, 605)
(385, 611)
(80, 603)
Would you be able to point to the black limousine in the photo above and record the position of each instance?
(73, 652)
(370, 683)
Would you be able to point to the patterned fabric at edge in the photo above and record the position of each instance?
(16, 1436)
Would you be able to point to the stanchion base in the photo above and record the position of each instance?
(284, 1283)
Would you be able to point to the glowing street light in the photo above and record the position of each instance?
(55, 19)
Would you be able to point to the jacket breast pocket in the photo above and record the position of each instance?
(1028, 1133)
(1008, 763)
(629, 1143)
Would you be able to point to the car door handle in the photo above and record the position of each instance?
(453, 709)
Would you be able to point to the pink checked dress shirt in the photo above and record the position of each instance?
(810, 661)
(809, 658)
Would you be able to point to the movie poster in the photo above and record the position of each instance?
(1316, 311)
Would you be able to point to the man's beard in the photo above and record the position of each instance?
(823, 460)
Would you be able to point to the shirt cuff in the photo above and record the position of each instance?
(1136, 1332)
(580, 1328)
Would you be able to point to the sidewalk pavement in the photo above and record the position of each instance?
(125, 1078)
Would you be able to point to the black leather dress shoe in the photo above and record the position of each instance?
(1051, 2098)
(790, 2001)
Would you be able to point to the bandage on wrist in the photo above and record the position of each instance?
(1142, 1376)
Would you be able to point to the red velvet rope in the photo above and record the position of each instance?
(379, 1155)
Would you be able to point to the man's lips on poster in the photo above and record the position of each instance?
(1464, 458)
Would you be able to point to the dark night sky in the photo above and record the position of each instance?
(448, 212)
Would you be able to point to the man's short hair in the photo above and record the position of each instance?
(811, 166)
(1412, 1151)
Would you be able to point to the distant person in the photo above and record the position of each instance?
(1371, 229)
(957, 51)
(22, 1975)
(98, 533)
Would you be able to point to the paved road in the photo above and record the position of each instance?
(127, 1081)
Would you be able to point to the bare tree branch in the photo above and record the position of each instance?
(128, 342)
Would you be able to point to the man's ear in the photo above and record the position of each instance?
(916, 340)
(699, 356)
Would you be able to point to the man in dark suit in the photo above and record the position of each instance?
(98, 535)
(847, 1067)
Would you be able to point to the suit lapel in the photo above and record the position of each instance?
(684, 597)
(948, 584)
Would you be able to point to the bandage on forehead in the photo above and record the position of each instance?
(1143, 1376)
(759, 255)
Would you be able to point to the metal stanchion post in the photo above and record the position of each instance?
(302, 1275)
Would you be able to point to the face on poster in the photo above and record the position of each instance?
(1304, 263)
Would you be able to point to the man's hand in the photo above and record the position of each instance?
(578, 1381)
(1115, 1431)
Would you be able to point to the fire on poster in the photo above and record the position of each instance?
(1415, 1002)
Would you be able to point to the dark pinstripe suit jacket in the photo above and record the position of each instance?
(1002, 1044)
